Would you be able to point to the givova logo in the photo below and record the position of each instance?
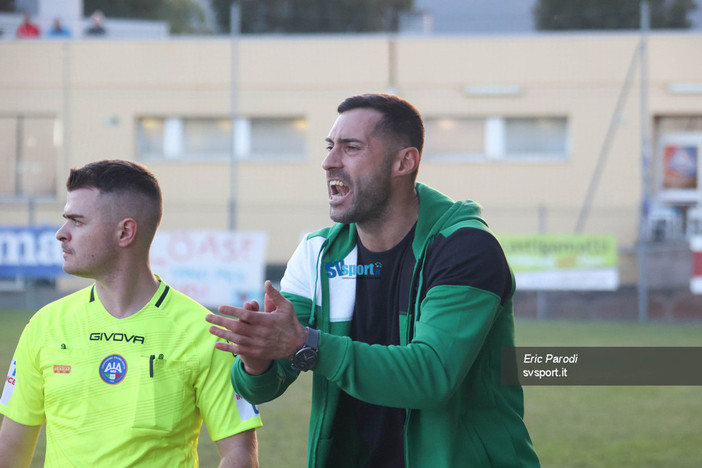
(113, 369)
(342, 270)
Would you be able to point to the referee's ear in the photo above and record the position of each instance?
(126, 232)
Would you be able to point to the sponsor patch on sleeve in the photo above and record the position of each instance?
(10, 383)
(246, 409)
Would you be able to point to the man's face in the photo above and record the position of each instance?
(88, 236)
(358, 168)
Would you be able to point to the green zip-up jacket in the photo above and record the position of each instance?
(445, 372)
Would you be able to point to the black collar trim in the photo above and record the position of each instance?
(163, 296)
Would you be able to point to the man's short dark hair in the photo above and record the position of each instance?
(400, 118)
(119, 176)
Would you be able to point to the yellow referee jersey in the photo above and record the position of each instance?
(123, 392)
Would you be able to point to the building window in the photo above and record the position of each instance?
(454, 138)
(678, 124)
(29, 151)
(541, 137)
(496, 138)
(214, 139)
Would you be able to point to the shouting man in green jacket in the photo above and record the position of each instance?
(401, 309)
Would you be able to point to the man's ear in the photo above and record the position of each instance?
(127, 231)
(407, 161)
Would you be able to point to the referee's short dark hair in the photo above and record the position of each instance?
(117, 176)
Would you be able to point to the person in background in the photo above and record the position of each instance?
(401, 309)
(27, 29)
(123, 372)
(58, 30)
(97, 26)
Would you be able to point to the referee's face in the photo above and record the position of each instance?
(88, 236)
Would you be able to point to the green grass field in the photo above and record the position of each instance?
(586, 426)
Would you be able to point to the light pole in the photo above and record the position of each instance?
(235, 26)
(645, 168)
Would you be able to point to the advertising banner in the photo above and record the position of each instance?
(30, 252)
(563, 262)
(212, 267)
(680, 167)
(678, 170)
(696, 280)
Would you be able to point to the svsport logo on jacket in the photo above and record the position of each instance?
(342, 270)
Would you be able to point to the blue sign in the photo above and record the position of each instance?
(32, 252)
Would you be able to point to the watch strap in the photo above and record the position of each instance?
(312, 340)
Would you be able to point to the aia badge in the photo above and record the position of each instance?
(113, 369)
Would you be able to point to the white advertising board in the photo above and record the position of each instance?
(563, 262)
(213, 267)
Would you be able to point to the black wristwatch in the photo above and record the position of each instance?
(306, 357)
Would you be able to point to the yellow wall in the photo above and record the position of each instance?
(100, 88)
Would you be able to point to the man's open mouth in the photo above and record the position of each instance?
(337, 190)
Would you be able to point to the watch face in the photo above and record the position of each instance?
(305, 359)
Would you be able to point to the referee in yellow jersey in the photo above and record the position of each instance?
(123, 372)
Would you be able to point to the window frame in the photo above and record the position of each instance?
(239, 140)
(495, 142)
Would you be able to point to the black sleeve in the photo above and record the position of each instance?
(469, 257)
